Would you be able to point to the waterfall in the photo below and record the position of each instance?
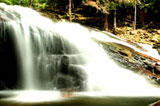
(23, 42)
(54, 56)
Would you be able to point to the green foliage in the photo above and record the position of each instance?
(40, 4)
(17, 2)
(147, 5)
(24, 2)
(113, 5)
(129, 3)
(9, 2)
(104, 5)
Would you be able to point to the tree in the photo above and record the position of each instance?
(135, 14)
(115, 20)
(113, 6)
(148, 6)
(70, 10)
(106, 5)
(133, 3)
(102, 6)
(30, 4)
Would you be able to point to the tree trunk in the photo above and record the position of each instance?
(135, 14)
(106, 22)
(30, 4)
(142, 17)
(115, 23)
(70, 10)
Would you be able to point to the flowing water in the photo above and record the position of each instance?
(53, 56)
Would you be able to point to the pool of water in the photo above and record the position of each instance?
(47, 98)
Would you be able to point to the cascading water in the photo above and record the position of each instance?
(61, 55)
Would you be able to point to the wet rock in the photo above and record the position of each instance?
(155, 104)
(70, 76)
(128, 58)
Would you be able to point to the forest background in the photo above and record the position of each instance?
(133, 20)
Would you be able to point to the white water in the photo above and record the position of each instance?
(42, 43)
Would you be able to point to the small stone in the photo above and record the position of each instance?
(158, 31)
